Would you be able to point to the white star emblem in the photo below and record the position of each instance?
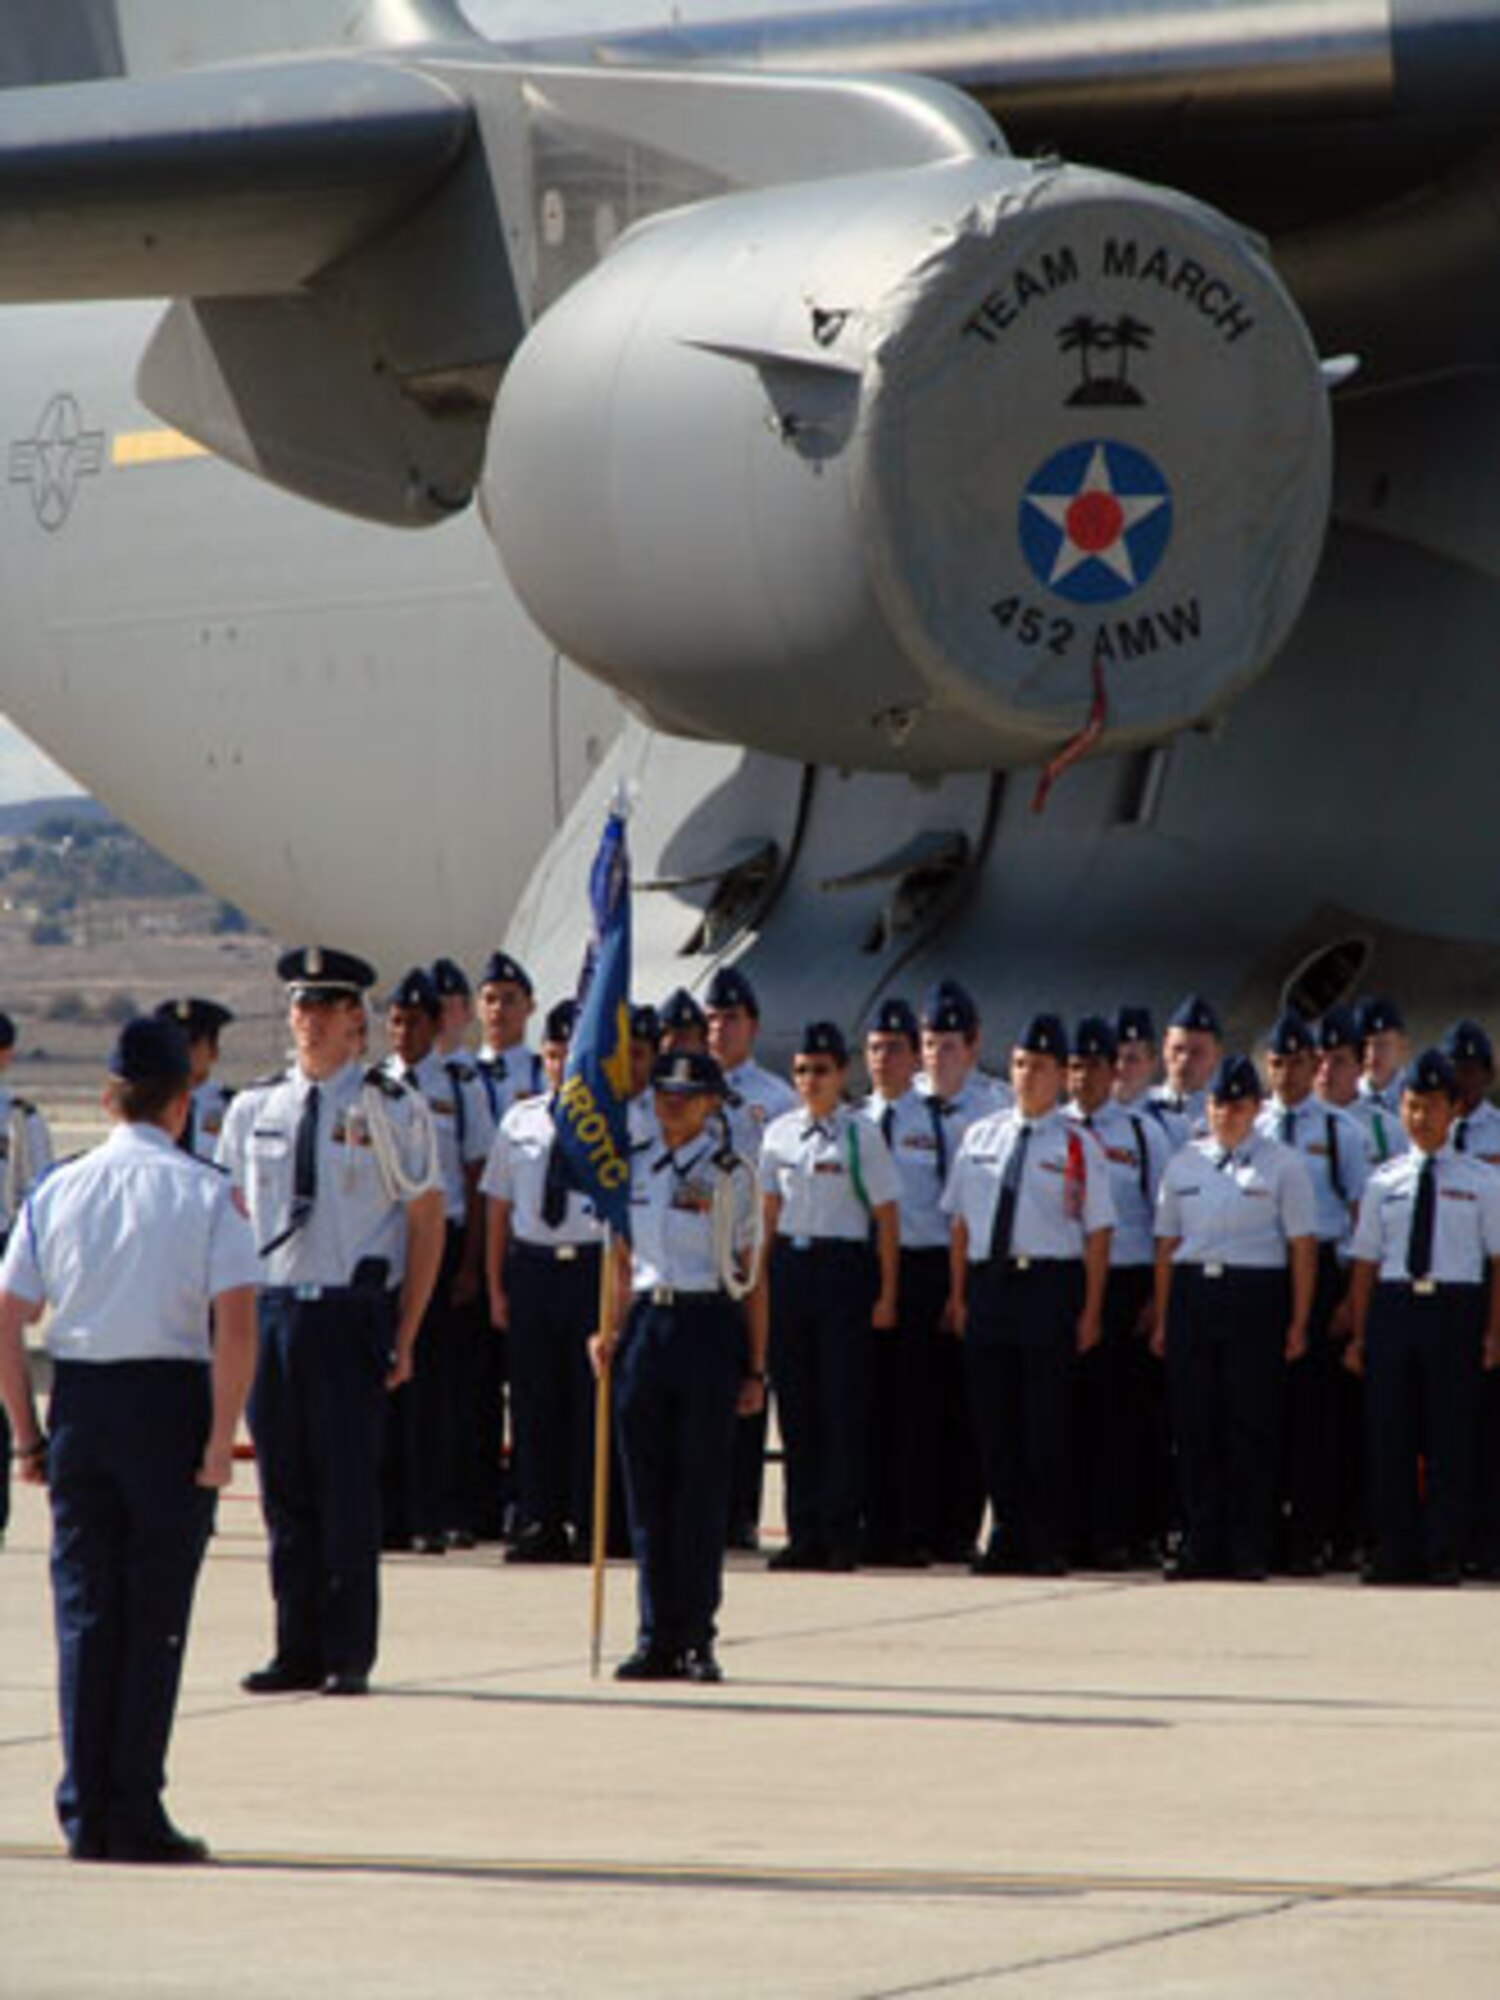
(1094, 521)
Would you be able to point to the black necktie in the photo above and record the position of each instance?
(1288, 1133)
(1423, 1216)
(1460, 1136)
(555, 1186)
(190, 1129)
(888, 1123)
(492, 1075)
(937, 1110)
(455, 1071)
(1010, 1188)
(304, 1170)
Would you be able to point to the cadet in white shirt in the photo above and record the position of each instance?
(1236, 1260)
(1337, 1083)
(336, 1166)
(130, 1246)
(1190, 1053)
(1031, 1215)
(691, 1352)
(828, 1181)
(1121, 1439)
(507, 1068)
(542, 1264)
(1383, 1050)
(1426, 1300)
(25, 1156)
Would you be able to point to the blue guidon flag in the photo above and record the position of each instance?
(1095, 522)
(591, 1109)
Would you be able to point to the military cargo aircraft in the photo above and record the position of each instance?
(1008, 484)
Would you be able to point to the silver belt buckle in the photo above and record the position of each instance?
(307, 1294)
(663, 1295)
(1213, 1270)
(1424, 1288)
(802, 1243)
(566, 1253)
(1021, 1263)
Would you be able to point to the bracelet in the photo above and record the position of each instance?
(33, 1450)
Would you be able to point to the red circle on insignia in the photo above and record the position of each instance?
(1095, 522)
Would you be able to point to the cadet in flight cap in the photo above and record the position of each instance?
(316, 972)
(1290, 1035)
(688, 1073)
(1134, 1024)
(1338, 1029)
(198, 1019)
(1235, 1080)
(1095, 1037)
(561, 1019)
(450, 979)
(152, 1048)
(1377, 1016)
(680, 1010)
(1044, 1035)
(1466, 1041)
(1428, 1073)
(730, 988)
(948, 1009)
(417, 990)
(644, 1025)
(500, 968)
(824, 1038)
(1196, 1014)
(894, 1016)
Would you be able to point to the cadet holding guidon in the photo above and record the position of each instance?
(202, 1021)
(1426, 1297)
(337, 1167)
(1236, 1261)
(827, 1177)
(1032, 1217)
(691, 1353)
(130, 1246)
(25, 1155)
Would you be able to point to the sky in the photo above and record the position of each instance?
(25, 773)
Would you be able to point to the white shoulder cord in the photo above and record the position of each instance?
(726, 1260)
(400, 1185)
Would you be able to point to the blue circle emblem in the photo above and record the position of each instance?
(1095, 521)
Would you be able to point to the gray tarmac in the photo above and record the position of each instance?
(910, 1784)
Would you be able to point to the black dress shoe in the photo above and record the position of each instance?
(999, 1561)
(650, 1663)
(703, 1667)
(167, 1849)
(87, 1846)
(795, 1557)
(540, 1545)
(428, 1545)
(278, 1679)
(346, 1684)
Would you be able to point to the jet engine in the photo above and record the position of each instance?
(919, 470)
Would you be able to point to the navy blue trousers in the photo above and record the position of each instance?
(130, 1527)
(553, 1309)
(316, 1414)
(902, 1475)
(1422, 1377)
(677, 1375)
(1021, 1352)
(821, 1299)
(421, 1430)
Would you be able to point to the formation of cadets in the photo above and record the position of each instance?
(1131, 1306)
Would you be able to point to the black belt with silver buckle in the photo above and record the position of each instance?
(671, 1295)
(553, 1253)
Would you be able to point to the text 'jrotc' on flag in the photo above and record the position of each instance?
(590, 1128)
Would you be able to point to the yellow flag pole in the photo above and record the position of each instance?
(600, 1518)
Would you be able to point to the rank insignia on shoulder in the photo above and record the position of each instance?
(388, 1085)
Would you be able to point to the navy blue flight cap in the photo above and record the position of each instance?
(824, 1038)
(1430, 1072)
(1377, 1017)
(562, 1018)
(948, 1009)
(1235, 1080)
(1095, 1037)
(644, 1026)
(1466, 1041)
(7, 1032)
(1290, 1035)
(1044, 1035)
(449, 977)
(730, 988)
(316, 972)
(198, 1019)
(500, 968)
(894, 1016)
(151, 1049)
(416, 990)
(679, 1011)
(688, 1073)
(1338, 1029)
(1196, 1014)
(1134, 1024)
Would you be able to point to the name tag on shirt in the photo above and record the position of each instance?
(272, 1145)
(1457, 1194)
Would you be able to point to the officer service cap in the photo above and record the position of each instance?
(416, 990)
(824, 1038)
(680, 1011)
(894, 1016)
(1134, 1024)
(562, 1018)
(729, 987)
(1094, 1037)
(317, 972)
(450, 979)
(949, 1009)
(152, 1048)
(7, 1032)
(1196, 1014)
(688, 1073)
(1377, 1016)
(1235, 1080)
(501, 969)
(644, 1024)
(1466, 1041)
(1338, 1029)
(1430, 1072)
(1290, 1034)
(1044, 1035)
(198, 1019)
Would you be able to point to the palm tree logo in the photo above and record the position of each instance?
(1115, 341)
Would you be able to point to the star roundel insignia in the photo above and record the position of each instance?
(1095, 521)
